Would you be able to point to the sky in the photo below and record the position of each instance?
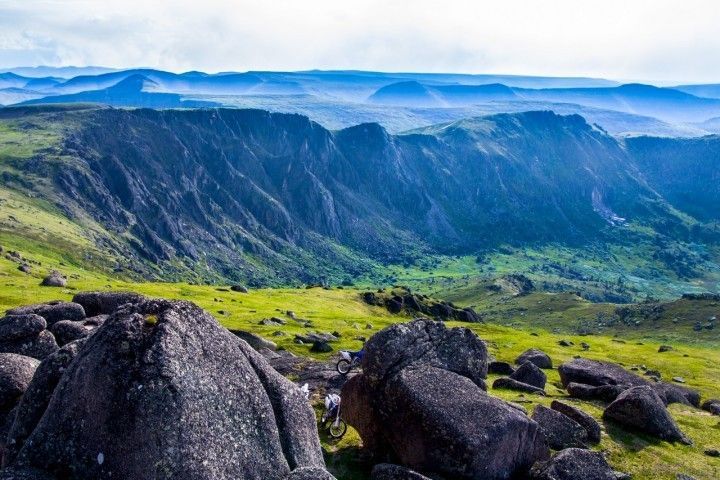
(664, 41)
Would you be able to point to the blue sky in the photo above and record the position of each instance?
(659, 40)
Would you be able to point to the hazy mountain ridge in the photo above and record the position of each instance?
(338, 99)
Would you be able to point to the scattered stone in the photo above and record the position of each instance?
(511, 384)
(712, 452)
(574, 464)
(642, 409)
(320, 346)
(653, 373)
(712, 406)
(421, 399)
(55, 279)
(565, 343)
(560, 430)
(538, 357)
(591, 426)
(500, 368)
(25, 268)
(105, 303)
(664, 348)
(388, 471)
(530, 374)
(316, 337)
(585, 346)
(678, 379)
(271, 322)
(239, 288)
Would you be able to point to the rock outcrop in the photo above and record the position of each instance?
(160, 390)
(420, 402)
(401, 299)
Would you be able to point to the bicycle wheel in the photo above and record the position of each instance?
(337, 430)
(343, 367)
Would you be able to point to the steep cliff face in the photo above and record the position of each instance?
(684, 171)
(251, 194)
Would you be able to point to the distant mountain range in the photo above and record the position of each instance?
(398, 101)
(276, 197)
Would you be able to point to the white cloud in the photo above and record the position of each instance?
(662, 40)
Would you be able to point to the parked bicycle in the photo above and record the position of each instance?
(330, 419)
(348, 361)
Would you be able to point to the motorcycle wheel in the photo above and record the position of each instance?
(337, 431)
(343, 367)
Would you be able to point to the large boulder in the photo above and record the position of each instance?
(640, 408)
(530, 374)
(591, 426)
(596, 373)
(162, 391)
(52, 311)
(20, 326)
(560, 430)
(574, 464)
(425, 342)
(421, 402)
(105, 303)
(538, 357)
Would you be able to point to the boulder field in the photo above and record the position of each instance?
(115, 385)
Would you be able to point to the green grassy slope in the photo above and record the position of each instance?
(343, 311)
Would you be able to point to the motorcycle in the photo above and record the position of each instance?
(330, 419)
(348, 360)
